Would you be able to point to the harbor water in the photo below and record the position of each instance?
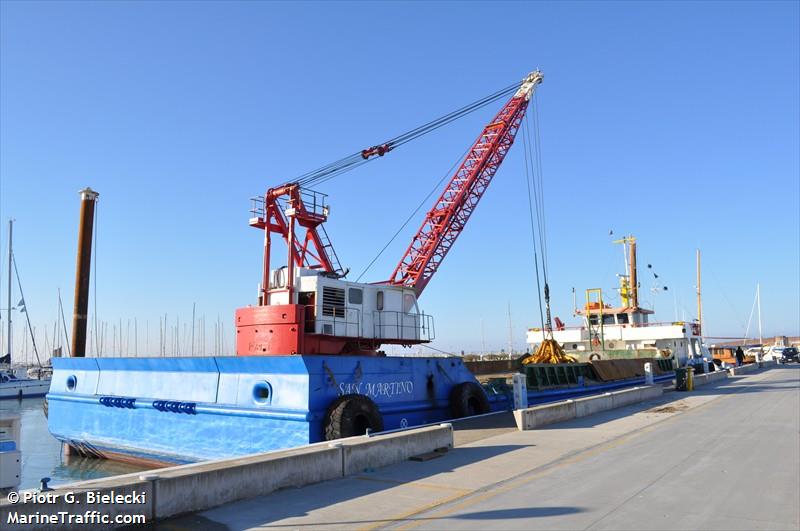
(42, 454)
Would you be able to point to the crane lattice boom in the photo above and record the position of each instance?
(445, 221)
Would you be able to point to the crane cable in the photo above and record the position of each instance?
(537, 194)
(538, 191)
(533, 169)
(549, 350)
(414, 213)
(528, 180)
(354, 160)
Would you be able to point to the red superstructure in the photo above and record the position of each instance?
(307, 307)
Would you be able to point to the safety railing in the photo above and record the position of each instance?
(257, 207)
(314, 202)
(336, 321)
(403, 326)
(344, 321)
(623, 325)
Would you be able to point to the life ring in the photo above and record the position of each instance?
(467, 399)
(594, 356)
(351, 415)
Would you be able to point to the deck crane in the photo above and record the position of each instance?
(307, 307)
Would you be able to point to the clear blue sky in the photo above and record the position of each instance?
(675, 121)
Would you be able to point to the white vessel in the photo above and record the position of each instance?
(627, 331)
(15, 383)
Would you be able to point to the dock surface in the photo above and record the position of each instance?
(722, 457)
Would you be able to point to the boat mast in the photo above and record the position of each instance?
(632, 277)
(10, 257)
(699, 299)
(629, 283)
(758, 299)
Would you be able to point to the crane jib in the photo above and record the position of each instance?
(449, 215)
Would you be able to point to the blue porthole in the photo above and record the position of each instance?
(72, 381)
(262, 393)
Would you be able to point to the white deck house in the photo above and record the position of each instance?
(340, 308)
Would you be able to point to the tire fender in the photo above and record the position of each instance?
(351, 415)
(467, 399)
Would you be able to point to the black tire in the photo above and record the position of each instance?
(594, 356)
(468, 399)
(351, 415)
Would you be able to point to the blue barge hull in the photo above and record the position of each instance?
(180, 410)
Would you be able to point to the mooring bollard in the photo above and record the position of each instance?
(520, 391)
(648, 373)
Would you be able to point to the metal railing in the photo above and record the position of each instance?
(342, 321)
(257, 207)
(624, 325)
(390, 325)
(313, 201)
(401, 325)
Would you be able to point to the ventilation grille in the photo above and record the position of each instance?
(332, 301)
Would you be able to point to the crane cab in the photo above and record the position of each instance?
(326, 314)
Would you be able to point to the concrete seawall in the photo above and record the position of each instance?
(363, 453)
(177, 490)
(538, 416)
(751, 367)
(700, 380)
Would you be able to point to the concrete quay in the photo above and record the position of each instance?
(166, 492)
(202, 489)
(721, 457)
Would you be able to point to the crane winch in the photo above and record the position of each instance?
(307, 307)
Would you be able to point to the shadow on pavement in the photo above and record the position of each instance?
(508, 514)
(288, 503)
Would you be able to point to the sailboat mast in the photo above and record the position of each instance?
(758, 298)
(10, 257)
(699, 298)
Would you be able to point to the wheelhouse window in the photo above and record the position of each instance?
(379, 301)
(622, 318)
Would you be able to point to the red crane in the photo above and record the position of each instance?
(306, 307)
(448, 217)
